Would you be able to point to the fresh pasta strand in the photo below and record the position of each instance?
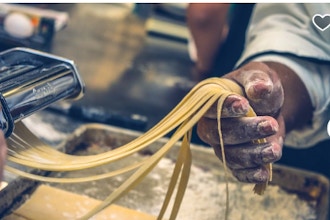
(28, 150)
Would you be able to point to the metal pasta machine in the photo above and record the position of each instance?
(31, 80)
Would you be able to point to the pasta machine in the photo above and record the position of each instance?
(31, 80)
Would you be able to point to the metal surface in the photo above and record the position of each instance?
(205, 184)
(99, 114)
(31, 80)
(308, 186)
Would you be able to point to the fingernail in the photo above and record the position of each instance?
(267, 128)
(259, 89)
(260, 176)
(268, 155)
(238, 105)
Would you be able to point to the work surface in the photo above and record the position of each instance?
(307, 197)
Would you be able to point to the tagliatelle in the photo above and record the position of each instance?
(36, 154)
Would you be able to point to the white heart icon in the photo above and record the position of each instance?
(322, 22)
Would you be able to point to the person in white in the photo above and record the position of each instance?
(285, 72)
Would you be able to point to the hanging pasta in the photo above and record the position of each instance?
(36, 154)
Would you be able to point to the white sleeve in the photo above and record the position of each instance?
(287, 29)
(285, 33)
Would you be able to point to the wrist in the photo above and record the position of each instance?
(297, 108)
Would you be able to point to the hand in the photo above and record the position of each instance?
(3, 154)
(264, 93)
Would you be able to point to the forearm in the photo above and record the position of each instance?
(207, 23)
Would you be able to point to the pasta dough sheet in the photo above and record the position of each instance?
(53, 204)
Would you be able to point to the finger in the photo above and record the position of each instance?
(253, 175)
(262, 87)
(251, 155)
(236, 130)
(242, 157)
(245, 129)
(233, 106)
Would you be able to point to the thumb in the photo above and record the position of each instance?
(262, 87)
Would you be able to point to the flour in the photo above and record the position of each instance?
(204, 198)
(44, 130)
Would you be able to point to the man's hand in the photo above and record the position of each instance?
(264, 93)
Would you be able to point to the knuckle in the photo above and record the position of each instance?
(207, 132)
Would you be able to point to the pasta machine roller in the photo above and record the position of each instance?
(31, 80)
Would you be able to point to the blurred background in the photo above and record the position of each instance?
(128, 69)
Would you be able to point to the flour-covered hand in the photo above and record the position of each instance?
(264, 93)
